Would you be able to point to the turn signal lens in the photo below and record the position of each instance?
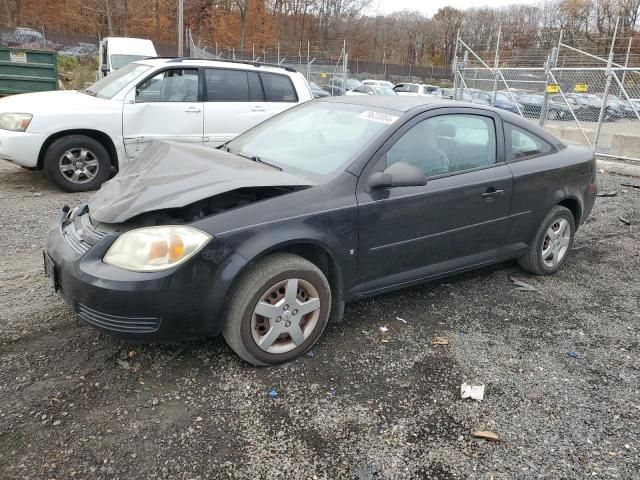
(155, 248)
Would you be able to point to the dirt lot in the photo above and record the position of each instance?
(561, 367)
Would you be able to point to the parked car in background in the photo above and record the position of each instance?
(336, 86)
(378, 83)
(502, 101)
(416, 89)
(78, 137)
(622, 107)
(318, 92)
(336, 200)
(371, 90)
(447, 93)
(27, 38)
(80, 50)
(590, 107)
(532, 107)
(116, 52)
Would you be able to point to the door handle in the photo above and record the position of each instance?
(193, 110)
(259, 109)
(492, 192)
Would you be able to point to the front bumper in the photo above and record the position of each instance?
(22, 148)
(183, 302)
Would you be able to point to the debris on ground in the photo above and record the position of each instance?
(273, 393)
(384, 329)
(474, 392)
(486, 435)
(333, 391)
(401, 320)
(440, 341)
(608, 194)
(624, 220)
(310, 353)
(523, 286)
(572, 354)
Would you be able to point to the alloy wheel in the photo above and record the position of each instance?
(285, 316)
(79, 165)
(556, 243)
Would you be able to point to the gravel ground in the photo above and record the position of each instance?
(560, 365)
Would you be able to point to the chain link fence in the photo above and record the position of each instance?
(581, 96)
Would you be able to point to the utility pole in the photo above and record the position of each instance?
(180, 28)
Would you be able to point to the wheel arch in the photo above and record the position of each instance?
(574, 207)
(317, 253)
(97, 135)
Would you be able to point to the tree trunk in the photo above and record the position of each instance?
(109, 23)
(7, 13)
(157, 20)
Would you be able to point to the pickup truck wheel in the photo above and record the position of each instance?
(278, 310)
(552, 243)
(77, 163)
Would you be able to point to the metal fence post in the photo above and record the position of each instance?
(496, 65)
(607, 86)
(548, 67)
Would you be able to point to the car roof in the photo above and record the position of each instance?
(202, 62)
(403, 104)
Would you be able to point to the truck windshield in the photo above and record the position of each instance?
(113, 83)
(118, 61)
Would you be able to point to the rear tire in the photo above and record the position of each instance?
(77, 163)
(293, 297)
(552, 243)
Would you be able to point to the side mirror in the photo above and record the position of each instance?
(399, 174)
(104, 69)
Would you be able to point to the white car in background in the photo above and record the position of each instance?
(371, 90)
(78, 137)
(417, 90)
(378, 83)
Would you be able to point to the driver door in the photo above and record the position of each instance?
(456, 221)
(167, 106)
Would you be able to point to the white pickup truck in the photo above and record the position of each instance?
(79, 137)
(116, 52)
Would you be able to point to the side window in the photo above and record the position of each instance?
(178, 85)
(446, 144)
(278, 88)
(522, 144)
(226, 85)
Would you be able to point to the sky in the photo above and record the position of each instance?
(429, 7)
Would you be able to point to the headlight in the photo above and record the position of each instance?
(18, 122)
(155, 248)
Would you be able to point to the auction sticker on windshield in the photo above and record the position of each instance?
(378, 117)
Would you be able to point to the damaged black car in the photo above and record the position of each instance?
(264, 239)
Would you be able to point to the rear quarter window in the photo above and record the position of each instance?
(523, 144)
(278, 88)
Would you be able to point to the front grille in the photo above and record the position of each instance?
(118, 323)
(81, 234)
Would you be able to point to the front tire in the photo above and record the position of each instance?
(77, 163)
(552, 243)
(278, 310)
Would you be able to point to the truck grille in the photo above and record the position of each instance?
(81, 234)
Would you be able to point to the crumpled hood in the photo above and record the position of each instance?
(174, 175)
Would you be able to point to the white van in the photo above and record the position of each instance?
(116, 52)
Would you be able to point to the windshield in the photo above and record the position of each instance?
(113, 83)
(314, 139)
(118, 61)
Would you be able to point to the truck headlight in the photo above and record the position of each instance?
(17, 122)
(152, 249)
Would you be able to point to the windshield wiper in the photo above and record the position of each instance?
(256, 159)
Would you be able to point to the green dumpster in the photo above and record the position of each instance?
(23, 71)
